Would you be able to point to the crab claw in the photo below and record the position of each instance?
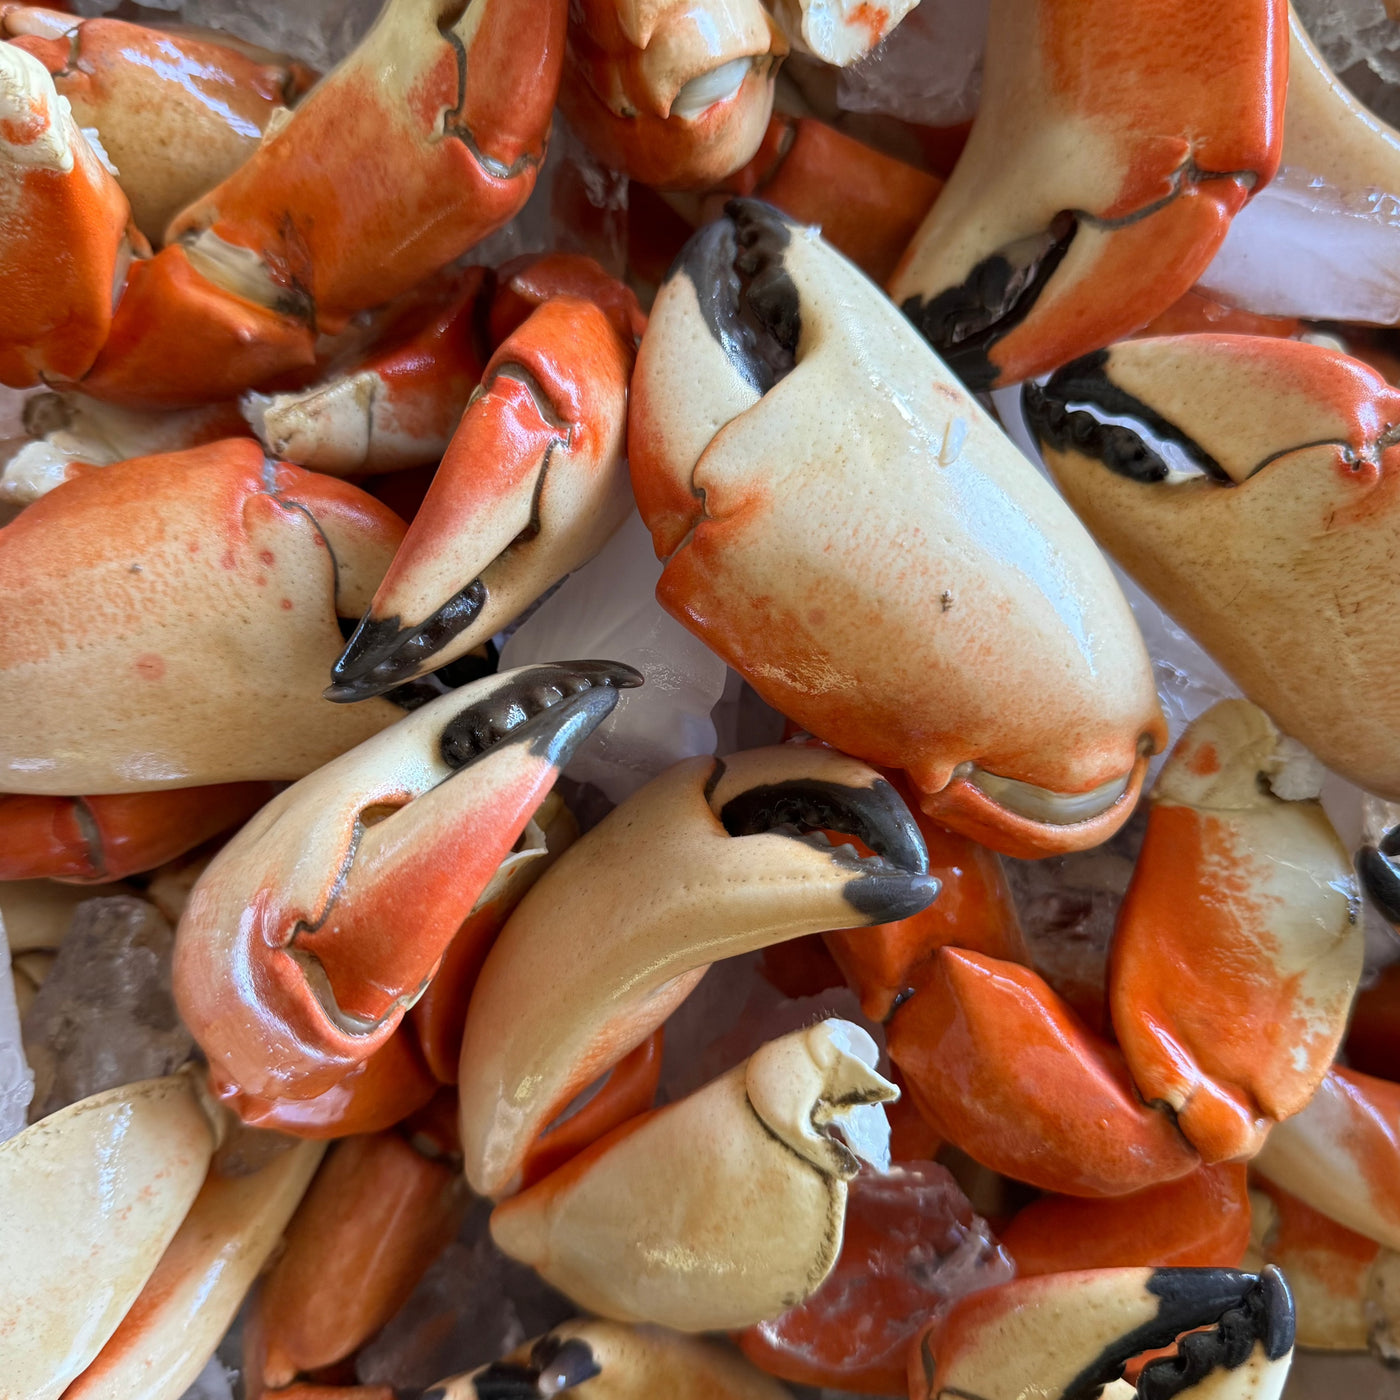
(188, 1303)
(627, 1363)
(1239, 479)
(93, 1195)
(675, 94)
(714, 858)
(1198, 1221)
(1238, 946)
(57, 195)
(845, 526)
(202, 589)
(323, 920)
(704, 1180)
(1067, 1335)
(1341, 1154)
(532, 485)
(1000, 1066)
(1097, 181)
(1378, 869)
(93, 839)
(837, 31)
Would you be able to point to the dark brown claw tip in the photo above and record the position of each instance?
(555, 1365)
(1379, 874)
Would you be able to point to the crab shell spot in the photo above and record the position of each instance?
(93, 1194)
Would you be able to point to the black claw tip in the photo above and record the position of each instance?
(1380, 875)
(555, 1365)
(881, 899)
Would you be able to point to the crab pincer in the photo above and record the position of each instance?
(842, 522)
(325, 918)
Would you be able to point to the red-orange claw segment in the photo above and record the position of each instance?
(974, 910)
(1197, 1221)
(57, 195)
(1238, 946)
(1002, 1068)
(530, 281)
(420, 143)
(87, 840)
(1341, 1154)
(1083, 206)
(375, 1218)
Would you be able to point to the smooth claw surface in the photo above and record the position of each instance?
(92, 1196)
(999, 1065)
(323, 920)
(1341, 1154)
(532, 485)
(594, 1359)
(714, 858)
(1252, 490)
(188, 1303)
(1101, 175)
(671, 1218)
(201, 589)
(839, 31)
(1239, 945)
(778, 396)
(1064, 1336)
(676, 94)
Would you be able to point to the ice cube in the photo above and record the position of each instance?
(318, 32)
(608, 610)
(16, 1079)
(927, 71)
(105, 1015)
(212, 1383)
(1351, 32)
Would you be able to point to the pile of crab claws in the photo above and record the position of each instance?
(714, 858)
(765, 351)
(595, 1359)
(1069, 1336)
(323, 920)
(1083, 205)
(776, 1138)
(532, 485)
(1255, 480)
(675, 95)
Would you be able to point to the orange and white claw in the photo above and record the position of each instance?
(1346, 1287)
(1001, 1067)
(395, 406)
(594, 1359)
(702, 1181)
(532, 485)
(377, 1215)
(1201, 1220)
(1341, 1154)
(1084, 204)
(1061, 1336)
(55, 193)
(1253, 467)
(819, 486)
(1238, 947)
(93, 1195)
(714, 858)
(176, 112)
(323, 920)
(675, 94)
(839, 31)
(189, 1301)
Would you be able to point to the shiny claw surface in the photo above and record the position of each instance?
(1263, 473)
(1101, 175)
(845, 526)
(714, 858)
(719, 1210)
(322, 921)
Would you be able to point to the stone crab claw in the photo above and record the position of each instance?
(1249, 484)
(846, 527)
(1070, 1335)
(704, 1180)
(532, 485)
(316, 928)
(675, 93)
(1098, 179)
(594, 1359)
(1238, 946)
(714, 858)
